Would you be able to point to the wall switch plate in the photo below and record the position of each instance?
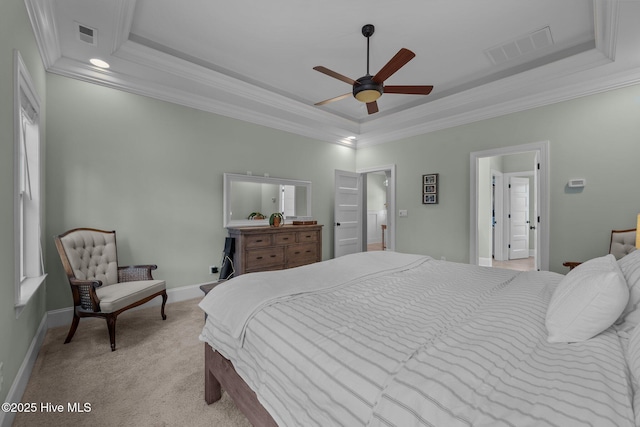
(403, 212)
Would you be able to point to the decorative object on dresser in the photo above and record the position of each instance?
(255, 216)
(276, 219)
(275, 248)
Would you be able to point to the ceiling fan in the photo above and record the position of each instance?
(369, 88)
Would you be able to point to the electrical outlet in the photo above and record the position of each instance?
(403, 212)
(213, 269)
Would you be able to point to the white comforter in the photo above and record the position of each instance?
(386, 339)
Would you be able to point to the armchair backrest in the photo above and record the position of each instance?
(622, 242)
(89, 254)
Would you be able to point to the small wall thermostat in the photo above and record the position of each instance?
(577, 183)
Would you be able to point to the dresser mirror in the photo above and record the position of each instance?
(244, 195)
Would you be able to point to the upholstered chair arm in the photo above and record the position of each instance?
(571, 264)
(84, 293)
(133, 273)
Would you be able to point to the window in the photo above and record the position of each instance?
(29, 265)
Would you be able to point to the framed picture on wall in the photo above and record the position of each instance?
(430, 199)
(430, 179)
(430, 189)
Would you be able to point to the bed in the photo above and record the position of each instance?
(391, 339)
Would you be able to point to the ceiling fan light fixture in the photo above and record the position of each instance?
(368, 95)
(366, 90)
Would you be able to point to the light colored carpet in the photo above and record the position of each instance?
(154, 378)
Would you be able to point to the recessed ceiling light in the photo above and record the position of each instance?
(99, 63)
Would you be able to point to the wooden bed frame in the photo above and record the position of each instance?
(219, 373)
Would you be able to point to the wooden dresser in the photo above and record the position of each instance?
(275, 248)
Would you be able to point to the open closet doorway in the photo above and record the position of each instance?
(379, 208)
(510, 207)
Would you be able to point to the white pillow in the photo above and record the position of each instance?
(630, 267)
(587, 301)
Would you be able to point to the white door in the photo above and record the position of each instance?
(347, 213)
(519, 218)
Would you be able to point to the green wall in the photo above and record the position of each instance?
(153, 171)
(15, 334)
(595, 137)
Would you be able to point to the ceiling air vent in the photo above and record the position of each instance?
(87, 34)
(520, 46)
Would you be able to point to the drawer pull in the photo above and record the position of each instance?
(296, 252)
(259, 241)
(285, 238)
(308, 250)
(259, 257)
(272, 256)
(308, 236)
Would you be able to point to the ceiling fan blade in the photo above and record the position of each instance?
(372, 107)
(409, 90)
(337, 98)
(398, 61)
(335, 75)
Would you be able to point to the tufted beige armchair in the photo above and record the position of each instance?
(622, 243)
(100, 287)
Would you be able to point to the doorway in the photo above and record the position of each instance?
(490, 225)
(379, 208)
(351, 223)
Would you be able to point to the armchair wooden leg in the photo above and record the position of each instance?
(164, 301)
(111, 325)
(74, 326)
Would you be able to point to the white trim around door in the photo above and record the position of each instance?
(542, 222)
(391, 209)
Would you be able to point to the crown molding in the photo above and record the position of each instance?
(122, 25)
(156, 74)
(44, 26)
(77, 70)
(156, 61)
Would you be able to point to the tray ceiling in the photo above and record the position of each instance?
(253, 60)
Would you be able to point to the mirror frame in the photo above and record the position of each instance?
(226, 197)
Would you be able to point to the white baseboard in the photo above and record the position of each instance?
(24, 373)
(484, 262)
(63, 316)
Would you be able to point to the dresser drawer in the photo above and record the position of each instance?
(307, 236)
(285, 238)
(303, 254)
(257, 259)
(258, 241)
